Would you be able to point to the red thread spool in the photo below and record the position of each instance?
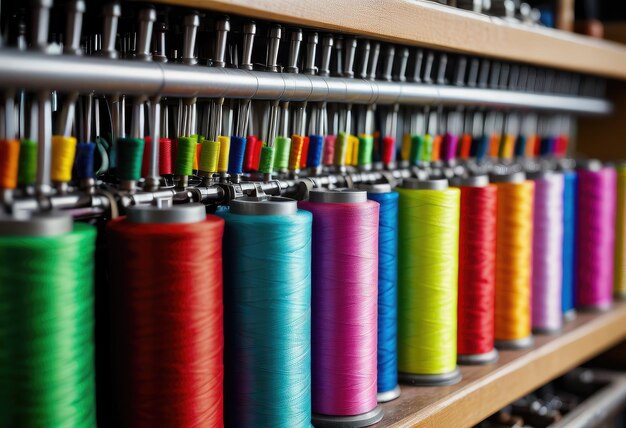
(305, 151)
(168, 323)
(389, 149)
(477, 262)
(165, 156)
(250, 154)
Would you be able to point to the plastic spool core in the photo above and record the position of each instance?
(515, 177)
(36, 224)
(526, 342)
(414, 183)
(189, 213)
(473, 181)
(273, 205)
(375, 188)
(383, 397)
(362, 420)
(338, 196)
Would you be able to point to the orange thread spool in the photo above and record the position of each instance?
(9, 160)
(513, 263)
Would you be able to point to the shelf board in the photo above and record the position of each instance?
(433, 25)
(486, 389)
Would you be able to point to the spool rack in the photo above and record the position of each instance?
(484, 389)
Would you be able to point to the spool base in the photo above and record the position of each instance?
(390, 395)
(356, 421)
(570, 315)
(431, 379)
(595, 308)
(546, 331)
(527, 342)
(478, 359)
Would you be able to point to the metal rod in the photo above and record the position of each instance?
(35, 71)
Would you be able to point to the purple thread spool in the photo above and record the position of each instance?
(547, 271)
(344, 308)
(596, 236)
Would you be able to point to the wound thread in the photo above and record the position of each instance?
(83, 164)
(237, 150)
(63, 153)
(316, 146)
(9, 162)
(185, 156)
(222, 165)
(27, 169)
(281, 153)
(130, 152)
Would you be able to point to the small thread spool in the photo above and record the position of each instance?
(570, 190)
(305, 152)
(251, 163)
(238, 148)
(620, 231)
(344, 308)
(47, 322)
(130, 152)
(186, 149)
(209, 156)
(513, 260)
(595, 236)
(266, 160)
(426, 153)
(389, 150)
(366, 146)
(83, 164)
(387, 379)
(27, 169)
(329, 150)
(170, 307)
(63, 153)
(297, 143)
(405, 150)
(268, 337)
(281, 154)
(477, 263)
(547, 268)
(9, 161)
(165, 156)
(316, 146)
(428, 242)
(341, 149)
(415, 156)
(222, 165)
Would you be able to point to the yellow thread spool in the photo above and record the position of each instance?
(405, 152)
(224, 142)
(63, 152)
(428, 243)
(354, 143)
(513, 261)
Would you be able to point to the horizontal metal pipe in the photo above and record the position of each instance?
(40, 72)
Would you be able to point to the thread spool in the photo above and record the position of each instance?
(281, 154)
(235, 163)
(366, 146)
(513, 260)
(547, 268)
(341, 149)
(344, 308)
(305, 150)
(387, 374)
(46, 322)
(477, 263)
(595, 236)
(83, 164)
(63, 152)
(27, 169)
(329, 150)
(570, 190)
(222, 165)
(165, 156)
(316, 145)
(428, 242)
(130, 152)
(249, 164)
(9, 161)
(620, 230)
(268, 336)
(171, 307)
(297, 143)
(209, 156)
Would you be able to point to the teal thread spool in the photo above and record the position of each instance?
(267, 307)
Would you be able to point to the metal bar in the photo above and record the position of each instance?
(35, 71)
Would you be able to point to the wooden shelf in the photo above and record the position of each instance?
(436, 26)
(486, 389)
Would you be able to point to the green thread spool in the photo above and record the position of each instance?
(266, 160)
(281, 154)
(417, 144)
(27, 166)
(428, 242)
(130, 155)
(341, 148)
(209, 155)
(427, 148)
(366, 145)
(46, 326)
(185, 155)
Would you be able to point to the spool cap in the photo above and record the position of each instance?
(188, 213)
(375, 188)
(414, 183)
(36, 224)
(272, 205)
(338, 196)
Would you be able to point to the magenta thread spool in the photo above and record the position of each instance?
(344, 308)
(547, 267)
(595, 236)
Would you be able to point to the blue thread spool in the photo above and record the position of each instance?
(267, 306)
(569, 243)
(388, 388)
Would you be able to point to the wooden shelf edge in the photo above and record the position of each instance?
(433, 25)
(486, 389)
